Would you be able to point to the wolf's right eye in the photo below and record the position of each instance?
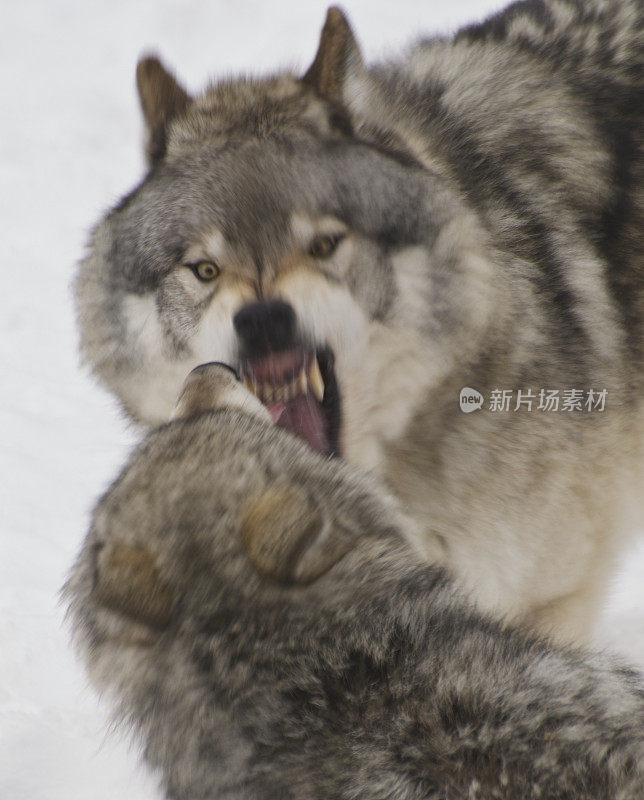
(205, 270)
(324, 246)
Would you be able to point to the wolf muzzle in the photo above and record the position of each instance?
(294, 378)
(265, 327)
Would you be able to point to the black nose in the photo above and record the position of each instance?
(264, 327)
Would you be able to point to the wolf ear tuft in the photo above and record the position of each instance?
(288, 539)
(338, 56)
(162, 99)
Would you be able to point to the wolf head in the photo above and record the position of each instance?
(283, 230)
(257, 518)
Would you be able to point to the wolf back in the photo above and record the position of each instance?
(262, 620)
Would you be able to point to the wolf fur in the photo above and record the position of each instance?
(486, 193)
(262, 619)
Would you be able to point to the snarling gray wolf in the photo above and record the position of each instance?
(264, 620)
(362, 243)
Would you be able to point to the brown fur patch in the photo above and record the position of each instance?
(128, 581)
(277, 528)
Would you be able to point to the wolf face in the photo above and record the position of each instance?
(338, 278)
(360, 244)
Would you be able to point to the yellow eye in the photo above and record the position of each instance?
(205, 270)
(324, 246)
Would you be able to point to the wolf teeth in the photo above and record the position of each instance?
(301, 384)
(291, 389)
(281, 393)
(315, 380)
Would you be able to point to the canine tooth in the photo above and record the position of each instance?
(302, 382)
(279, 394)
(315, 380)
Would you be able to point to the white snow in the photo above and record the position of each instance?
(69, 148)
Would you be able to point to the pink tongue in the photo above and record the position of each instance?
(302, 416)
(276, 410)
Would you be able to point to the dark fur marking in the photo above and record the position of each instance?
(483, 180)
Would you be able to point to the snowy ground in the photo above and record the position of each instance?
(70, 148)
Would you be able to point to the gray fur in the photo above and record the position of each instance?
(375, 680)
(490, 185)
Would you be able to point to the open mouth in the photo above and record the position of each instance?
(300, 391)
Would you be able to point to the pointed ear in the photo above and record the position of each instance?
(288, 539)
(213, 386)
(127, 580)
(162, 99)
(337, 58)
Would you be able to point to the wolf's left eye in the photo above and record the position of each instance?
(324, 246)
(205, 270)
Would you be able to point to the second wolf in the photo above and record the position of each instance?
(361, 243)
(265, 624)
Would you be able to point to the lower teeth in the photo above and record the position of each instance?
(301, 384)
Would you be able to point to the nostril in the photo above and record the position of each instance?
(264, 326)
(246, 321)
